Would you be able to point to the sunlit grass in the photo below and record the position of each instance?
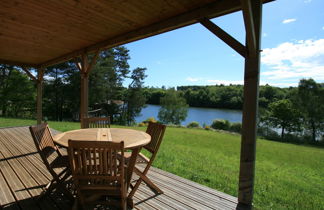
(287, 176)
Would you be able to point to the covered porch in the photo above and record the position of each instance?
(37, 35)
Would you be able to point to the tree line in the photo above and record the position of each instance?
(298, 112)
(61, 97)
(217, 96)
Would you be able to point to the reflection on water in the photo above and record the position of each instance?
(201, 115)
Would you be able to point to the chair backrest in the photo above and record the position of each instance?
(156, 130)
(97, 164)
(44, 143)
(96, 122)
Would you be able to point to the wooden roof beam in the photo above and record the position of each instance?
(228, 39)
(212, 10)
(16, 63)
(29, 73)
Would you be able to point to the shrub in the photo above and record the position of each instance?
(193, 124)
(141, 124)
(236, 127)
(221, 124)
(150, 119)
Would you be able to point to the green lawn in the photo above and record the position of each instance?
(287, 176)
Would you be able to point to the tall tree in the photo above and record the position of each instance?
(55, 91)
(135, 98)
(174, 108)
(283, 114)
(310, 99)
(17, 92)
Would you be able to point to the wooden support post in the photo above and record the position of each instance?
(250, 106)
(39, 106)
(85, 69)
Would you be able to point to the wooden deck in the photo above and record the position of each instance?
(23, 177)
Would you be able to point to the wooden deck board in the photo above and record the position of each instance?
(23, 177)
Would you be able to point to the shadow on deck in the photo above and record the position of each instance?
(23, 177)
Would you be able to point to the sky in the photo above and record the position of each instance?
(292, 49)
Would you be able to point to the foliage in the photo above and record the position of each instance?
(283, 114)
(150, 119)
(236, 127)
(310, 100)
(106, 91)
(135, 99)
(173, 109)
(17, 93)
(221, 124)
(193, 124)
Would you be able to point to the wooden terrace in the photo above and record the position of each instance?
(38, 34)
(23, 177)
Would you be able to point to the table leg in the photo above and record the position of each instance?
(131, 165)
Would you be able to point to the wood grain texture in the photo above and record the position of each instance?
(35, 33)
(250, 105)
(17, 143)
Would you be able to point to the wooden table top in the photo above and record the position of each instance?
(132, 138)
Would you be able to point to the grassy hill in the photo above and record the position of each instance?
(287, 176)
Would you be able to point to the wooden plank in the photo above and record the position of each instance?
(228, 39)
(167, 202)
(250, 111)
(212, 10)
(179, 192)
(37, 171)
(201, 188)
(27, 174)
(6, 196)
(189, 193)
(21, 195)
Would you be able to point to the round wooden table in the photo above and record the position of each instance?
(133, 140)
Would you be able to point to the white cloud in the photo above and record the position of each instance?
(290, 20)
(294, 60)
(307, 1)
(323, 27)
(225, 82)
(191, 79)
(264, 34)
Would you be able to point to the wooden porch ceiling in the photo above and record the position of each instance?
(42, 33)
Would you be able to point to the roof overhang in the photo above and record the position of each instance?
(43, 33)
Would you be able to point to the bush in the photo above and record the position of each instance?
(221, 124)
(141, 124)
(150, 119)
(206, 127)
(236, 127)
(193, 124)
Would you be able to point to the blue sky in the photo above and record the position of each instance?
(292, 43)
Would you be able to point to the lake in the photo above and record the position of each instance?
(201, 115)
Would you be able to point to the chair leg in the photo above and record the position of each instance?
(144, 178)
(131, 194)
(151, 184)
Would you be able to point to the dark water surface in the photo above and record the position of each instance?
(201, 115)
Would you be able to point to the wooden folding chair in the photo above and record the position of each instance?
(156, 131)
(98, 174)
(56, 163)
(96, 122)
